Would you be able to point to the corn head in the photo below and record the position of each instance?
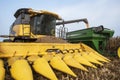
(44, 57)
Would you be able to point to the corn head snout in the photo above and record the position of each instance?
(44, 57)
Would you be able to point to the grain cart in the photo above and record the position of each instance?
(95, 37)
(32, 45)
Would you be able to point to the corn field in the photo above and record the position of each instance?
(113, 45)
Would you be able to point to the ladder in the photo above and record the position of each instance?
(62, 32)
(26, 30)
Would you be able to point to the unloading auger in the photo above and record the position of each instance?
(32, 45)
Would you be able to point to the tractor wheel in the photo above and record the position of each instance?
(118, 51)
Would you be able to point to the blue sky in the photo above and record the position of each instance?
(98, 12)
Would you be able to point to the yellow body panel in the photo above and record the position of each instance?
(20, 70)
(58, 64)
(22, 49)
(82, 60)
(2, 70)
(89, 58)
(21, 30)
(68, 59)
(42, 67)
(34, 12)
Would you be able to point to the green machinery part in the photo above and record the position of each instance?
(96, 37)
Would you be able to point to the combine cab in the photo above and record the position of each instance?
(32, 45)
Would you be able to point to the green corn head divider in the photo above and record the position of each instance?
(96, 37)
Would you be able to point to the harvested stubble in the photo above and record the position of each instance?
(113, 44)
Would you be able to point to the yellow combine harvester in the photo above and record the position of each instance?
(32, 43)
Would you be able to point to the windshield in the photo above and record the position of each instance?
(43, 24)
